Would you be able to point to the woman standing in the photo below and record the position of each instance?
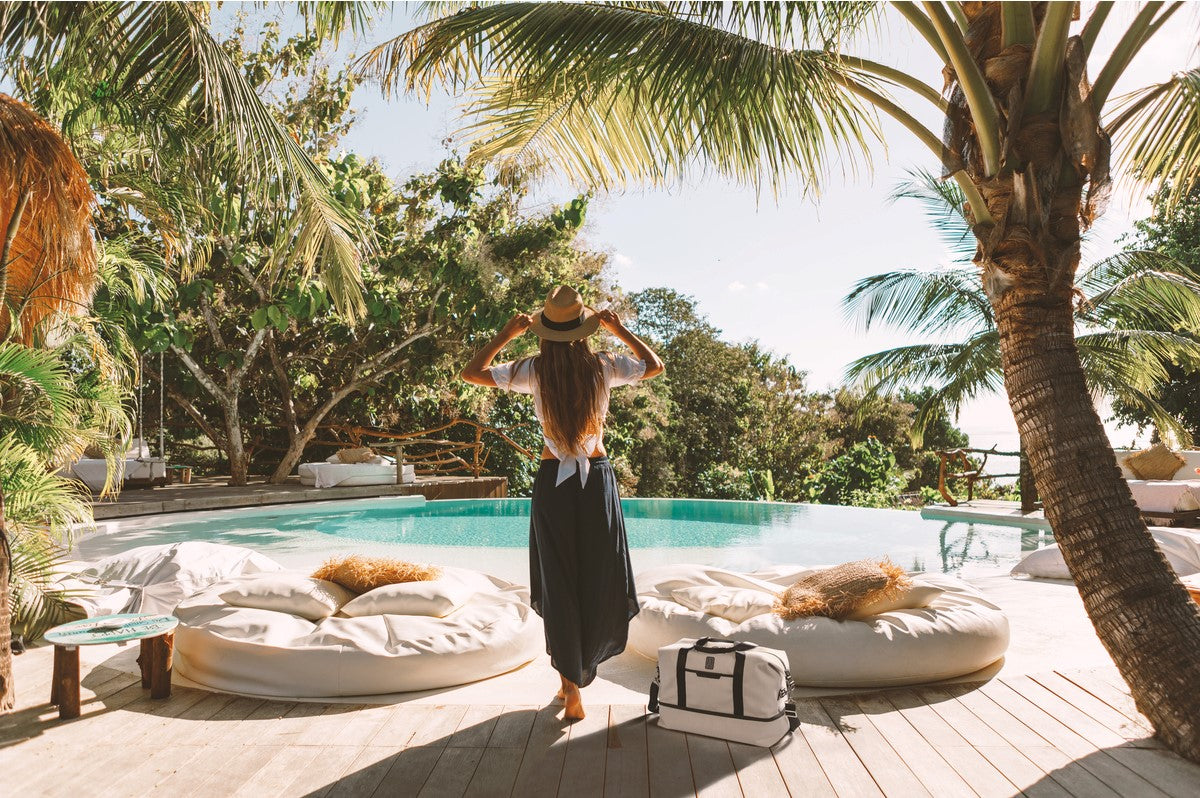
(579, 572)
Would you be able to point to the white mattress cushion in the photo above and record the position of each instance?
(1180, 546)
(436, 598)
(1165, 495)
(311, 599)
(735, 604)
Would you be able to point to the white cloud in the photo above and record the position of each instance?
(736, 286)
(622, 261)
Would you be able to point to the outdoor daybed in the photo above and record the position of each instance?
(1181, 547)
(137, 469)
(1173, 499)
(957, 633)
(293, 653)
(378, 470)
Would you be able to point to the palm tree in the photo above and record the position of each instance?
(1138, 312)
(617, 93)
(105, 67)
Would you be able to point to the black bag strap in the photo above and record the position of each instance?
(789, 709)
(716, 645)
(681, 678)
(739, 674)
(652, 704)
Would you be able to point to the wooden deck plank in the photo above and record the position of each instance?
(144, 778)
(587, 750)
(1170, 773)
(542, 763)
(1066, 713)
(495, 775)
(366, 723)
(75, 775)
(757, 772)
(321, 775)
(975, 769)
(274, 777)
(802, 772)
(476, 726)
(1132, 730)
(326, 727)
(512, 727)
(364, 774)
(401, 725)
(408, 771)
(1117, 698)
(1071, 743)
(713, 771)
(452, 774)
(890, 771)
(670, 772)
(926, 763)
(218, 770)
(626, 773)
(845, 771)
(437, 727)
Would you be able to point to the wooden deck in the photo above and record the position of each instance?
(211, 493)
(1061, 734)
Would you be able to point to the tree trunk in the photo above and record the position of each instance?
(1142, 614)
(291, 457)
(239, 467)
(8, 693)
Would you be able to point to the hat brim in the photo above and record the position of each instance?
(591, 323)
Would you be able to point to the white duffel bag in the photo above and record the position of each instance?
(724, 688)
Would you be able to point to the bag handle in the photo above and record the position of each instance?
(717, 645)
(652, 704)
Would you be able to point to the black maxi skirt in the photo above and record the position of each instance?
(580, 577)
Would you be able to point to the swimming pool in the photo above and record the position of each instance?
(492, 534)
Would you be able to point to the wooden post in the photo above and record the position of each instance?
(478, 445)
(162, 660)
(399, 449)
(65, 690)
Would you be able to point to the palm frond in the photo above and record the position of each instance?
(926, 302)
(617, 93)
(944, 205)
(1146, 299)
(1158, 131)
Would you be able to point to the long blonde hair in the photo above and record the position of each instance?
(570, 380)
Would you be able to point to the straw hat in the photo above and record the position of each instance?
(564, 317)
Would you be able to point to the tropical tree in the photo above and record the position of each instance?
(1137, 315)
(616, 93)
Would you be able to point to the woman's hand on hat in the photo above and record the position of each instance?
(518, 324)
(609, 320)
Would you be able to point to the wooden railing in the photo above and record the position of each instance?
(973, 473)
(432, 455)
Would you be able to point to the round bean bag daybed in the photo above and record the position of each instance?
(283, 648)
(956, 633)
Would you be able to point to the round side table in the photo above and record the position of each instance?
(157, 636)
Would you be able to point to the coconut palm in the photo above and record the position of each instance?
(619, 93)
(1137, 314)
(146, 65)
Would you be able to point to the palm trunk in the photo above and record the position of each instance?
(8, 693)
(1142, 614)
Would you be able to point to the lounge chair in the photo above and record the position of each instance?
(379, 470)
(137, 470)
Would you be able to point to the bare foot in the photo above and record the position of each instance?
(561, 695)
(574, 702)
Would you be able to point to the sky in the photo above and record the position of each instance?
(776, 270)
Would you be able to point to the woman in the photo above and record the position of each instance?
(580, 577)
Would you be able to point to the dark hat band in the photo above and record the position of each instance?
(562, 326)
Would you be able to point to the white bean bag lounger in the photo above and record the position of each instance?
(958, 633)
(273, 653)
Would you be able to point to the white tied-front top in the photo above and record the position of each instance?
(520, 377)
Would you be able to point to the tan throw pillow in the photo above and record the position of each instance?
(1192, 584)
(914, 596)
(736, 604)
(1157, 462)
(841, 591)
(360, 455)
(363, 574)
(312, 599)
(435, 598)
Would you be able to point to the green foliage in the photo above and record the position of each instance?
(865, 474)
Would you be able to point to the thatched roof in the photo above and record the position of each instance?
(51, 261)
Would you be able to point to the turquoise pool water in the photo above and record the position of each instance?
(729, 533)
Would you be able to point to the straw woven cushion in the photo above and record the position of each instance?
(360, 455)
(840, 592)
(1192, 583)
(1157, 462)
(363, 574)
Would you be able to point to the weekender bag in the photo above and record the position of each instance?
(724, 688)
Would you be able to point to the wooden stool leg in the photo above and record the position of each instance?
(162, 660)
(65, 691)
(144, 660)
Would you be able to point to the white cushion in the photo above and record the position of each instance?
(960, 631)
(1180, 546)
(435, 598)
(918, 594)
(295, 594)
(735, 604)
